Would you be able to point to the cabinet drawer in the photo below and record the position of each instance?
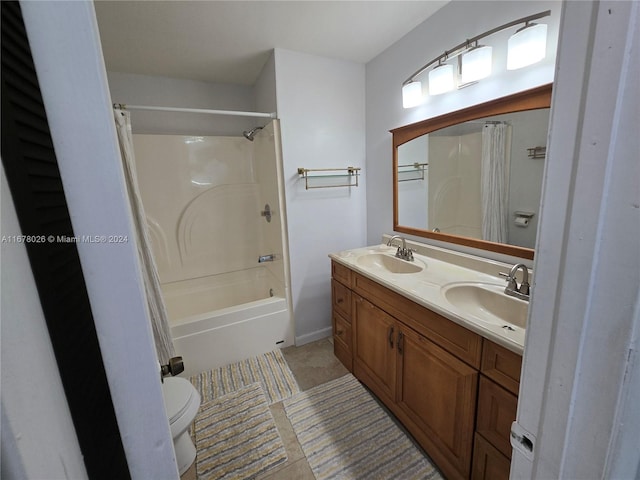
(488, 463)
(501, 365)
(341, 299)
(341, 273)
(496, 411)
(342, 331)
(463, 343)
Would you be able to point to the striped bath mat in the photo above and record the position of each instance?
(345, 434)
(236, 437)
(270, 370)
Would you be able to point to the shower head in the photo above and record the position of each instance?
(248, 134)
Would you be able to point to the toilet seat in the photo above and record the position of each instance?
(181, 402)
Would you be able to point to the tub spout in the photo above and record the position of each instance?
(267, 258)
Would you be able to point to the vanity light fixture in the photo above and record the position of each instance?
(526, 47)
(441, 79)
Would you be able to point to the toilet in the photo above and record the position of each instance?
(181, 401)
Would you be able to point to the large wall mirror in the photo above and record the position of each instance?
(474, 177)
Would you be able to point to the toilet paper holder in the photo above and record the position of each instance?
(522, 218)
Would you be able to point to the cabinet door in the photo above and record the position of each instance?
(488, 462)
(374, 334)
(437, 392)
(342, 340)
(496, 411)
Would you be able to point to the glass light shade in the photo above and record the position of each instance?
(527, 46)
(441, 79)
(412, 94)
(476, 64)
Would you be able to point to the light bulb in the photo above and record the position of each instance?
(476, 64)
(441, 79)
(411, 94)
(527, 46)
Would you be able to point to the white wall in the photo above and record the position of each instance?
(35, 416)
(529, 129)
(321, 109)
(179, 92)
(265, 87)
(446, 28)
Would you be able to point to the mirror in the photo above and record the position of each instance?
(474, 177)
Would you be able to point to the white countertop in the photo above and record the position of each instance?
(441, 268)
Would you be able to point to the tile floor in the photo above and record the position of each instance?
(312, 364)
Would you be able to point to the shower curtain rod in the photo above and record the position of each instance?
(195, 110)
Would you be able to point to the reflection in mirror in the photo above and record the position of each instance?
(475, 181)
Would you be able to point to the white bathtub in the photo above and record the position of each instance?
(227, 318)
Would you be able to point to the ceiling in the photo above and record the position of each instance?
(230, 41)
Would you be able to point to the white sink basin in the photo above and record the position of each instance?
(389, 264)
(488, 303)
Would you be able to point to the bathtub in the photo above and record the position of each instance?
(226, 318)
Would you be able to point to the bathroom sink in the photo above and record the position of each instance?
(389, 264)
(488, 303)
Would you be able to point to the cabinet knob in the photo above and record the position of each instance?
(340, 300)
(339, 332)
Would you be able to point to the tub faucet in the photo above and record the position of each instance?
(403, 252)
(512, 289)
(267, 258)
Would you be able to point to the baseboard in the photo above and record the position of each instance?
(313, 336)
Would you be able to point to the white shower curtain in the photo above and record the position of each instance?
(495, 182)
(157, 310)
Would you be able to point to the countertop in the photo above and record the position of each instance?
(441, 269)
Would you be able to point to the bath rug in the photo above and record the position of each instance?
(236, 436)
(346, 434)
(270, 370)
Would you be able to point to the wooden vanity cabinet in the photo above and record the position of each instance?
(454, 391)
(341, 314)
(417, 363)
(497, 406)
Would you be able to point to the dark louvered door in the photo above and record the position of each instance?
(32, 171)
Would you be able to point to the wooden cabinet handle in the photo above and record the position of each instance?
(391, 337)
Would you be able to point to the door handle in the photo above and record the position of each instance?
(400, 342)
(391, 337)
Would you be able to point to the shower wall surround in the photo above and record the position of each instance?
(199, 194)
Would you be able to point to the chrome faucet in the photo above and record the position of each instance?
(403, 252)
(521, 292)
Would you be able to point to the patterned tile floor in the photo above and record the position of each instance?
(312, 364)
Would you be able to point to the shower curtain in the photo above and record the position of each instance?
(157, 310)
(495, 182)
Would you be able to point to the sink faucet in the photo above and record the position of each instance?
(403, 252)
(512, 288)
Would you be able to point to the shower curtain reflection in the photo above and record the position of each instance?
(495, 182)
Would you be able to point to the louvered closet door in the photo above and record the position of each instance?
(32, 171)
